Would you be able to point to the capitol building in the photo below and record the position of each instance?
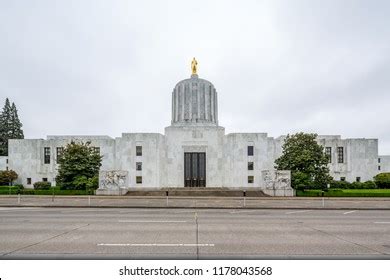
(194, 151)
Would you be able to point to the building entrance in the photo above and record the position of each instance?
(195, 169)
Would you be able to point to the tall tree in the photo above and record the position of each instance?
(16, 131)
(5, 123)
(10, 126)
(79, 166)
(306, 159)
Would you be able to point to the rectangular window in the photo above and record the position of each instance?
(357, 179)
(28, 181)
(7, 160)
(59, 150)
(342, 178)
(138, 151)
(340, 154)
(138, 165)
(379, 160)
(379, 167)
(44, 179)
(251, 179)
(250, 165)
(138, 179)
(96, 150)
(46, 155)
(328, 152)
(250, 150)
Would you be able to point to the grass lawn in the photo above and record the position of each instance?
(347, 192)
(6, 190)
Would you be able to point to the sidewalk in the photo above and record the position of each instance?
(375, 203)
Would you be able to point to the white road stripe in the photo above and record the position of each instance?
(381, 222)
(243, 211)
(145, 221)
(18, 208)
(155, 245)
(345, 213)
(300, 211)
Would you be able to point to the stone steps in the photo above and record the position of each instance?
(197, 192)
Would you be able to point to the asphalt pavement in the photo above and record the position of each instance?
(141, 233)
(352, 203)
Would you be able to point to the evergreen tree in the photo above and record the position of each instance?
(16, 131)
(10, 126)
(5, 121)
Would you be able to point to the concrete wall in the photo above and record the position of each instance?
(163, 156)
(3, 163)
(26, 156)
(179, 140)
(236, 158)
(152, 152)
(383, 164)
(360, 157)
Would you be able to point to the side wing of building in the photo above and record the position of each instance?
(383, 164)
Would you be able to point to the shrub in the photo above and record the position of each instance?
(82, 183)
(370, 185)
(7, 177)
(42, 186)
(19, 186)
(354, 185)
(28, 191)
(340, 184)
(382, 180)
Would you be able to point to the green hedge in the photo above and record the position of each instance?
(346, 193)
(42, 186)
(13, 190)
(382, 180)
(354, 185)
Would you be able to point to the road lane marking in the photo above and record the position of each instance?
(381, 222)
(19, 208)
(300, 211)
(349, 212)
(156, 244)
(243, 211)
(135, 221)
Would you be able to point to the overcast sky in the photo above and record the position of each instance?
(107, 67)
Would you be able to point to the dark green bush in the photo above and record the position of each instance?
(42, 186)
(382, 180)
(340, 184)
(354, 185)
(370, 185)
(28, 191)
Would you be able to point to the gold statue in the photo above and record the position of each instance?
(194, 66)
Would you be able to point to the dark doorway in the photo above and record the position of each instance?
(195, 169)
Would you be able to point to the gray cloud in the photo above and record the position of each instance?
(107, 67)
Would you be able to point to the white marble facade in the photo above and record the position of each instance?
(153, 160)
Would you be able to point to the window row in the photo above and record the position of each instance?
(138, 180)
(358, 179)
(29, 181)
(60, 150)
(340, 154)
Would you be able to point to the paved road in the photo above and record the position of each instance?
(198, 202)
(173, 233)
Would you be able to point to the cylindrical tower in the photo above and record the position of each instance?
(194, 102)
